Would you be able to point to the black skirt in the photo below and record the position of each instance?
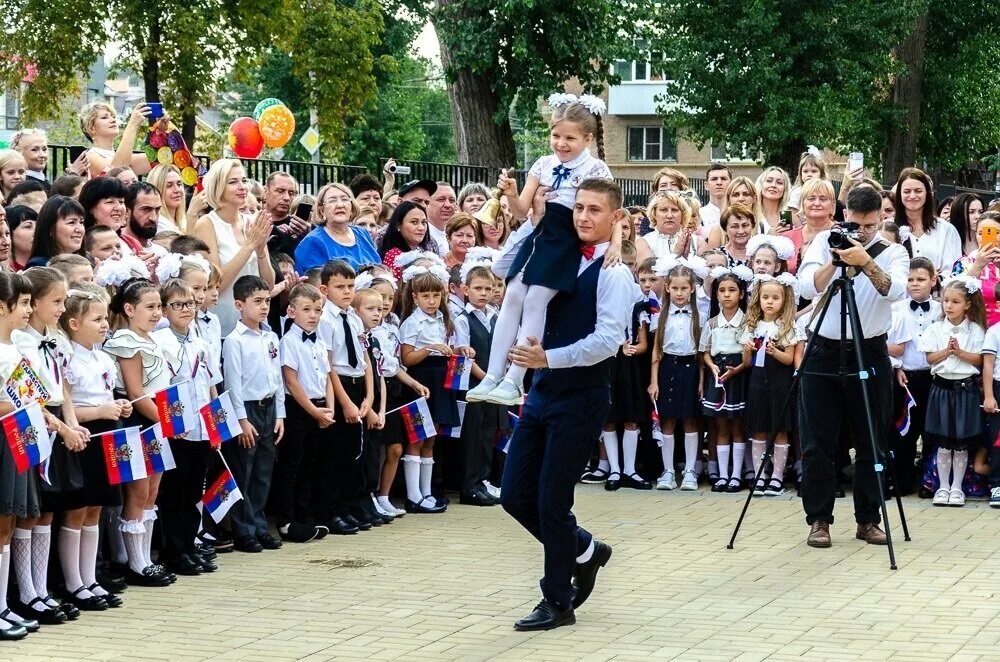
(954, 418)
(396, 395)
(96, 490)
(730, 404)
(629, 395)
(443, 402)
(18, 492)
(678, 382)
(550, 256)
(769, 386)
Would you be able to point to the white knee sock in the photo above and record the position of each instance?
(723, 453)
(426, 473)
(4, 580)
(944, 468)
(748, 471)
(667, 452)
(780, 458)
(536, 304)
(604, 465)
(41, 542)
(690, 451)
(69, 555)
(148, 520)
(411, 475)
(610, 440)
(20, 548)
(739, 449)
(89, 539)
(758, 454)
(507, 324)
(133, 534)
(630, 443)
(959, 463)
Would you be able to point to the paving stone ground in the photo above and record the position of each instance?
(448, 587)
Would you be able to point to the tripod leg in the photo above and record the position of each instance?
(899, 500)
(863, 376)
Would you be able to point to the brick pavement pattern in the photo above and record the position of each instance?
(449, 587)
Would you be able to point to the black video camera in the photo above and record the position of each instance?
(842, 233)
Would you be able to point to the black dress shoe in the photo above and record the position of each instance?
(148, 577)
(207, 565)
(427, 505)
(613, 482)
(113, 583)
(93, 603)
(205, 551)
(112, 599)
(374, 514)
(586, 573)
(341, 527)
(185, 565)
(29, 624)
(546, 616)
(362, 525)
(322, 531)
(247, 544)
(636, 482)
(478, 497)
(297, 532)
(267, 541)
(13, 633)
(48, 615)
(362, 515)
(72, 613)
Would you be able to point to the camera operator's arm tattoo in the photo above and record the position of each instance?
(879, 279)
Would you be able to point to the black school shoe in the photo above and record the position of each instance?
(247, 544)
(113, 600)
(183, 564)
(48, 615)
(297, 532)
(149, 576)
(545, 616)
(339, 526)
(207, 565)
(586, 573)
(267, 541)
(636, 482)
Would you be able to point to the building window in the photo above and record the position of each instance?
(651, 143)
(649, 69)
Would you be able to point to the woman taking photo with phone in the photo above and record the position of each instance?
(335, 238)
(982, 263)
(99, 123)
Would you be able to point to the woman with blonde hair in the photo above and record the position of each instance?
(99, 124)
(13, 169)
(167, 180)
(335, 237)
(741, 191)
(819, 204)
(773, 187)
(674, 228)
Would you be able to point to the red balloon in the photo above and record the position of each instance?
(245, 139)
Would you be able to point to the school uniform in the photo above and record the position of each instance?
(341, 330)
(770, 380)
(721, 340)
(210, 328)
(678, 371)
(253, 379)
(954, 420)
(629, 396)
(396, 393)
(483, 421)
(181, 488)
(15, 496)
(420, 330)
(295, 476)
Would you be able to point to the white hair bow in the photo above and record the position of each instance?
(782, 246)
(741, 271)
(435, 270)
(363, 281)
(478, 256)
(168, 266)
(592, 103)
(409, 257)
(117, 271)
(786, 279)
(971, 285)
(813, 150)
(695, 263)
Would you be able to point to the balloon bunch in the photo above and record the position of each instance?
(165, 146)
(272, 125)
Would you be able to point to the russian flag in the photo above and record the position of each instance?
(175, 407)
(454, 432)
(456, 378)
(123, 455)
(903, 422)
(657, 430)
(221, 495)
(156, 449)
(417, 420)
(219, 417)
(503, 440)
(27, 436)
(654, 305)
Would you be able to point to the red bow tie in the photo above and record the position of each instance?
(587, 252)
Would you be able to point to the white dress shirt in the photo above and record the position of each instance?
(678, 338)
(308, 359)
(710, 217)
(253, 371)
(584, 166)
(331, 332)
(440, 239)
(91, 376)
(915, 322)
(49, 363)
(942, 246)
(617, 293)
(187, 361)
(899, 334)
(420, 330)
(874, 310)
(722, 336)
(991, 345)
(210, 328)
(460, 320)
(387, 335)
(485, 316)
(970, 338)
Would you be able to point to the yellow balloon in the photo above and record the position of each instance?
(165, 155)
(277, 125)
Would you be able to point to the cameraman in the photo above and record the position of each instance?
(879, 271)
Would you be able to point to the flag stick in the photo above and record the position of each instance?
(402, 407)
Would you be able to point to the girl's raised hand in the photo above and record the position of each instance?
(506, 183)
(612, 256)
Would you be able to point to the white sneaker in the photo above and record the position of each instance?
(506, 393)
(956, 498)
(690, 482)
(479, 393)
(492, 489)
(666, 481)
(995, 497)
(941, 497)
(387, 506)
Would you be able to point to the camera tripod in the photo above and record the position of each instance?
(848, 314)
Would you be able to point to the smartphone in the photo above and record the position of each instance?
(304, 211)
(155, 110)
(785, 218)
(74, 152)
(989, 236)
(855, 161)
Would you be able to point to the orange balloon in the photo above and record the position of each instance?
(277, 124)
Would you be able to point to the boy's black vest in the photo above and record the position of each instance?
(480, 338)
(570, 318)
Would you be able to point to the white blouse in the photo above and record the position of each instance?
(49, 361)
(91, 375)
(662, 245)
(970, 338)
(678, 337)
(722, 336)
(942, 246)
(572, 175)
(387, 335)
(124, 344)
(420, 330)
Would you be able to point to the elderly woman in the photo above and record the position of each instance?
(407, 231)
(472, 197)
(738, 222)
(818, 204)
(237, 246)
(930, 237)
(462, 232)
(983, 264)
(99, 123)
(167, 180)
(741, 191)
(103, 198)
(674, 233)
(335, 238)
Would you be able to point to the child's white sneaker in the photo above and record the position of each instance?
(666, 481)
(995, 497)
(690, 482)
(941, 497)
(479, 393)
(492, 489)
(956, 498)
(506, 393)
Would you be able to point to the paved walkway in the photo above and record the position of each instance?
(448, 587)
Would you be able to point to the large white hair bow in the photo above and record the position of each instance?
(695, 263)
(478, 256)
(741, 271)
(592, 103)
(971, 285)
(409, 257)
(116, 271)
(435, 270)
(783, 246)
(786, 279)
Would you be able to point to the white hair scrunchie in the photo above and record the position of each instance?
(741, 271)
(695, 263)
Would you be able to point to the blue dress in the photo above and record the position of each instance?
(317, 248)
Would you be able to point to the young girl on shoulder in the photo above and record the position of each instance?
(547, 260)
(769, 254)
(673, 386)
(424, 351)
(90, 375)
(773, 345)
(724, 383)
(141, 372)
(954, 422)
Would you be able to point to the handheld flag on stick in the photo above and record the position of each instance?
(123, 455)
(903, 422)
(156, 449)
(456, 377)
(220, 420)
(221, 495)
(454, 432)
(417, 420)
(503, 440)
(174, 407)
(24, 386)
(27, 436)
(657, 430)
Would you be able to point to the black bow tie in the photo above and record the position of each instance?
(47, 344)
(206, 319)
(683, 311)
(308, 336)
(922, 305)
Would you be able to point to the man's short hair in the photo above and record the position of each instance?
(925, 264)
(245, 286)
(89, 236)
(336, 268)
(864, 200)
(718, 166)
(187, 244)
(304, 291)
(133, 191)
(279, 173)
(606, 186)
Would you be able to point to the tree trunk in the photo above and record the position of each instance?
(479, 138)
(151, 63)
(788, 157)
(908, 95)
(188, 124)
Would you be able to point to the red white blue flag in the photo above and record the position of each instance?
(503, 440)
(175, 408)
(221, 495)
(456, 431)
(156, 449)
(417, 421)
(27, 436)
(657, 430)
(123, 455)
(456, 377)
(219, 417)
(903, 422)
